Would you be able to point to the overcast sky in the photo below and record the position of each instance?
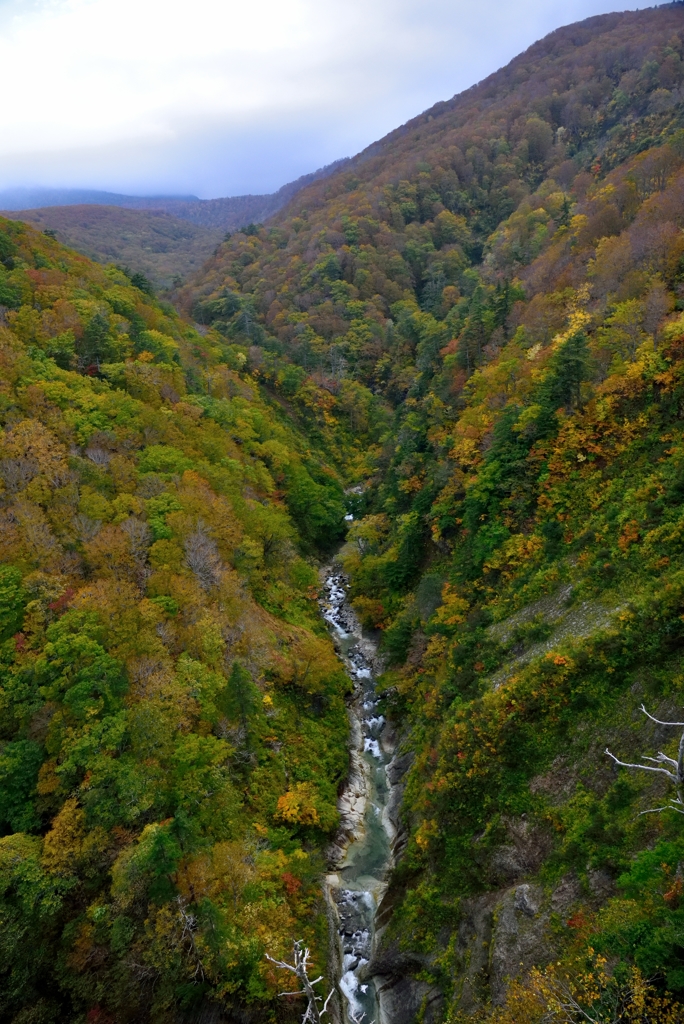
(224, 97)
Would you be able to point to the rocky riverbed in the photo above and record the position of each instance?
(361, 854)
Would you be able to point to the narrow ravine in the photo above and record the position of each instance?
(361, 855)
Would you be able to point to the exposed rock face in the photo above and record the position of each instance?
(519, 937)
(403, 999)
(501, 935)
(395, 771)
(504, 934)
(353, 799)
(565, 619)
(522, 855)
(473, 945)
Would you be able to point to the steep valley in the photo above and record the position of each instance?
(331, 599)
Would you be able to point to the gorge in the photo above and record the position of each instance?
(451, 372)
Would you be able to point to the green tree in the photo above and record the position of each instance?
(569, 371)
(240, 702)
(13, 600)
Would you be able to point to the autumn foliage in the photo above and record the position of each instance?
(166, 684)
(476, 330)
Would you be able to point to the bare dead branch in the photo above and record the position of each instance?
(325, 1004)
(661, 759)
(202, 556)
(300, 967)
(187, 938)
(643, 767)
(358, 1018)
(668, 807)
(675, 773)
(281, 964)
(657, 720)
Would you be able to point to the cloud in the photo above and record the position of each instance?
(225, 96)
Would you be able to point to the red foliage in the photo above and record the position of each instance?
(292, 884)
(61, 603)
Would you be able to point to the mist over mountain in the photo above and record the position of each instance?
(164, 248)
(455, 365)
(228, 213)
(37, 198)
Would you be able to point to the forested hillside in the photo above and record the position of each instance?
(162, 247)
(172, 719)
(503, 278)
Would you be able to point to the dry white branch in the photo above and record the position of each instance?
(202, 556)
(657, 720)
(358, 1018)
(643, 767)
(301, 955)
(187, 939)
(675, 774)
(668, 807)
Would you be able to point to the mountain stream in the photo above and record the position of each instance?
(361, 853)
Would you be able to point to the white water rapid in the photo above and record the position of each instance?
(361, 854)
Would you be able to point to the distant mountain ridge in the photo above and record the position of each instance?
(228, 213)
(40, 198)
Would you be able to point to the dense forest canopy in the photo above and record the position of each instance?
(480, 320)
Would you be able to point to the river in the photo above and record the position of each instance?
(361, 855)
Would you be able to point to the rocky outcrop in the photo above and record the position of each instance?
(403, 1000)
(501, 935)
(395, 772)
(401, 997)
(353, 799)
(519, 937)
